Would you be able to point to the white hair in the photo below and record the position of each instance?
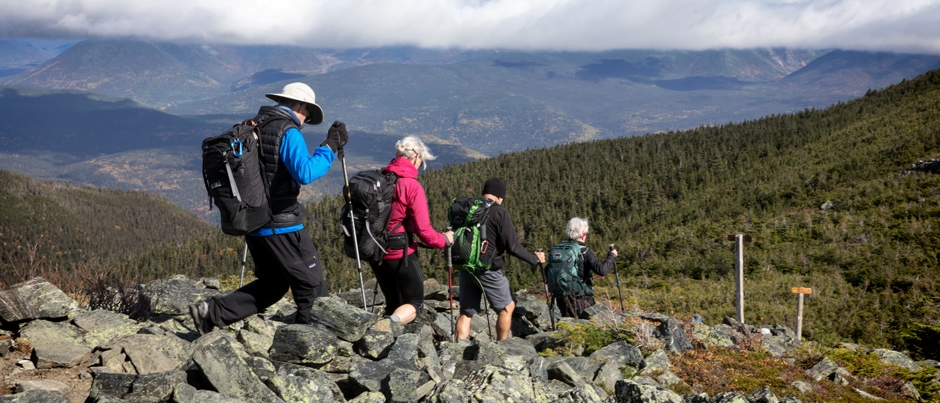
(576, 228)
(411, 146)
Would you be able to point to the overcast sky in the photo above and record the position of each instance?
(890, 25)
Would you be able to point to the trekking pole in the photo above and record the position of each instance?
(548, 295)
(617, 276)
(241, 277)
(352, 220)
(450, 291)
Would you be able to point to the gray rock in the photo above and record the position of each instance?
(499, 384)
(34, 299)
(790, 399)
(428, 359)
(696, 398)
(621, 352)
(154, 387)
(823, 369)
(658, 368)
(518, 346)
(669, 331)
(150, 353)
(102, 326)
(608, 375)
(561, 371)
(729, 397)
(300, 389)
(632, 392)
(763, 395)
(587, 367)
(185, 393)
(487, 353)
(405, 351)
(321, 378)
(36, 396)
(368, 397)
(55, 344)
(346, 321)
(452, 391)
(26, 385)
(547, 340)
(173, 296)
(897, 358)
(581, 394)
(403, 383)
(223, 366)
(711, 336)
(802, 386)
(374, 344)
(536, 311)
(371, 376)
(304, 345)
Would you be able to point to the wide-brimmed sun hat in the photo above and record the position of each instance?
(303, 93)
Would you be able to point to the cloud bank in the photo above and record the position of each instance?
(887, 25)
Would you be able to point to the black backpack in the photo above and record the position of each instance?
(371, 193)
(234, 178)
(471, 251)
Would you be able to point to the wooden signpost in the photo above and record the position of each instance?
(800, 291)
(739, 241)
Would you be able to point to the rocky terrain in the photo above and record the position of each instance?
(55, 350)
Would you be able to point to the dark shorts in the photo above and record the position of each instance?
(495, 284)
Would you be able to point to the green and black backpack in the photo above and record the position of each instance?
(471, 251)
(562, 272)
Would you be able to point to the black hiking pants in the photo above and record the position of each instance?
(401, 282)
(281, 261)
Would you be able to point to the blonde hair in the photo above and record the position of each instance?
(576, 228)
(410, 146)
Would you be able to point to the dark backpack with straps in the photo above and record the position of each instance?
(562, 271)
(370, 197)
(234, 178)
(471, 251)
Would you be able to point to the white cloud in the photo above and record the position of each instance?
(908, 25)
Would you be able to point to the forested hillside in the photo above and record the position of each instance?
(669, 201)
(57, 230)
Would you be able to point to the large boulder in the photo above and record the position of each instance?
(102, 326)
(669, 331)
(55, 344)
(303, 345)
(34, 299)
(346, 321)
(152, 353)
(173, 296)
(632, 392)
(224, 368)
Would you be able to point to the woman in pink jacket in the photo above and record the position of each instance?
(399, 274)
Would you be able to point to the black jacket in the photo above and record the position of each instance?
(501, 233)
(590, 264)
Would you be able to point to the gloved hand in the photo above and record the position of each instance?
(336, 137)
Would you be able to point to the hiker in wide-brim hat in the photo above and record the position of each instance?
(284, 256)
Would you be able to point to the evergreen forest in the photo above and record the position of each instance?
(827, 196)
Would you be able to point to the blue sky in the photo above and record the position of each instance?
(883, 25)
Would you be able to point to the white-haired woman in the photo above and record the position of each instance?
(399, 274)
(574, 304)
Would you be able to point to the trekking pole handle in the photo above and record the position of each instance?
(611, 246)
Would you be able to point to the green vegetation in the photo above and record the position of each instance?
(669, 200)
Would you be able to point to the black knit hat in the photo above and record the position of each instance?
(495, 187)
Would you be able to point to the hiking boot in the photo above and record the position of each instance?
(200, 313)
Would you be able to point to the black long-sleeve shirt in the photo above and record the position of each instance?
(501, 233)
(590, 264)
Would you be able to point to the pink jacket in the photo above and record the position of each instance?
(411, 206)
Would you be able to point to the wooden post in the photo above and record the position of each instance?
(799, 309)
(739, 240)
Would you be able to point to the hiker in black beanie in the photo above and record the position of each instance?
(501, 234)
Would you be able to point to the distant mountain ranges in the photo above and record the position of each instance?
(131, 114)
